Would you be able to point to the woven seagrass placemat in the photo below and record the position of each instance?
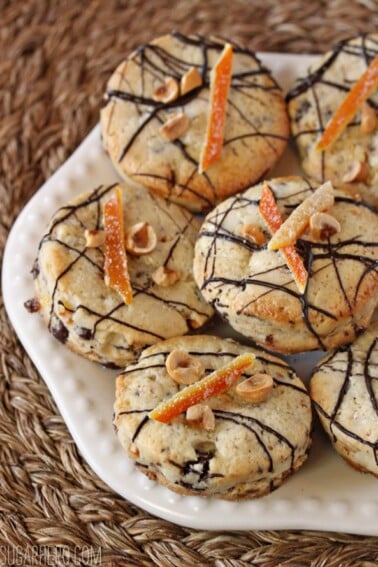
(55, 57)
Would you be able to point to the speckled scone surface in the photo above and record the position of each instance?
(254, 290)
(344, 388)
(256, 128)
(90, 317)
(314, 100)
(253, 447)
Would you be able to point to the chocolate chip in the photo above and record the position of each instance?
(269, 339)
(32, 305)
(35, 269)
(59, 331)
(85, 333)
(110, 365)
(302, 110)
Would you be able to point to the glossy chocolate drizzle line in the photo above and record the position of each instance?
(367, 375)
(258, 428)
(84, 255)
(337, 252)
(163, 64)
(317, 75)
(353, 359)
(254, 426)
(317, 78)
(277, 364)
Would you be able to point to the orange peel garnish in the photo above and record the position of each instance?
(219, 86)
(215, 383)
(116, 271)
(290, 230)
(357, 95)
(272, 216)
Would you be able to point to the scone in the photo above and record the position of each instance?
(91, 317)
(169, 79)
(238, 449)
(344, 389)
(254, 290)
(352, 160)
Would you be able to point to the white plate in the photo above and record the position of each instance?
(325, 494)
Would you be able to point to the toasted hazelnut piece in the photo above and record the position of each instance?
(368, 119)
(358, 171)
(255, 389)
(165, 277)
(253, 233)
(140, 239)
(201, 415)
(291, 229)
(195, 321)
(94, 238)
(191, 80)
(184, 368)
(323, 225)
(168, 91)
(175, 126)
(133, 450)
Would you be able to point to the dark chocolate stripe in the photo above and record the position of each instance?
(158, 62)
(367, 377)
(313, 255)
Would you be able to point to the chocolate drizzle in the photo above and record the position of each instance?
(259, 430)
(80, 257)
(364, 51)
(195, 473)
(317, 76)
(361, 367)
(158, 63)
(216, 284)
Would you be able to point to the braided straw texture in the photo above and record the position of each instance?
(55, 59)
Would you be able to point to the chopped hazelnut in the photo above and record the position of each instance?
(323, 225)
(368, 119)
(168, 91)
(255, 389)
(184, 368)
(94, 238)
(133, 450)
(165, 277)
(195, 321)
(253, 233)
(191, 80)
(202, 416)
(291, 229)
(140, 239)
(358, 171)
(175, 126)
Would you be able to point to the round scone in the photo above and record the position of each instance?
(91, 317)
(253, 288)
(155, 119)
(234, 448)
(352, 160)
(344, 389)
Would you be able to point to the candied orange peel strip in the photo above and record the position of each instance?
(290, 230)
(219, 87)
(272, 216)
(116, 272)
(215, 383)
(360, 92)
